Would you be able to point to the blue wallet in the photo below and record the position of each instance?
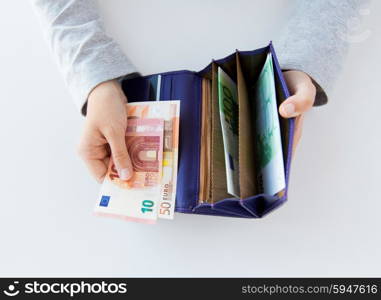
(201, 187)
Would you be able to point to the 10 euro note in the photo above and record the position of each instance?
(170, 112)
(136, 199)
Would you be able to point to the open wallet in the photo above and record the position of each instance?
(201, 181)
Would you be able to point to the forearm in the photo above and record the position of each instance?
(85, 54)
(314, 40)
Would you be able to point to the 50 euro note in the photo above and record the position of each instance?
(170, 112)
(136, 199)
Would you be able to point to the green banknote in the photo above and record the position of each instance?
(271, 177)
(228, 104)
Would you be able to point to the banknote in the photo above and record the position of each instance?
(170, 112)
(136, 199)
(228, 106)
(271, 176)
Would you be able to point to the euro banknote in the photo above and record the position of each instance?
(170, 112)
(152, 141)
(271, 177)
(136, 199)
(228, 106)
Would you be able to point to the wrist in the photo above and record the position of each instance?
(106, 91)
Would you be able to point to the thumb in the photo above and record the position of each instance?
(297, 104)
(119, 153)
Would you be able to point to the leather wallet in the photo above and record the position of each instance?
(201, 181)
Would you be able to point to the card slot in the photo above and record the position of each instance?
(246, 145)
(205, 161)
(251, 68)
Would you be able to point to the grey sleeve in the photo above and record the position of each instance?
(316, 39)
(85, 54)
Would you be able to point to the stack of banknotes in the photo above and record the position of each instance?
(152, 142)
(241, 134)
(267, 137)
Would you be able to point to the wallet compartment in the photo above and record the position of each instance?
(248, 67)
(186, 87)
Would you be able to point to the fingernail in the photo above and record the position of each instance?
(124, 174)
(289, 109)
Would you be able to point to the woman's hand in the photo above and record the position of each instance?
(104, 131)
(303, 93)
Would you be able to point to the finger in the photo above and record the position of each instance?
(93, 155)
(119, 153)
(97, 168)
(296, 105)
(106, 160)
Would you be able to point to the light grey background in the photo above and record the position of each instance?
(330, 226)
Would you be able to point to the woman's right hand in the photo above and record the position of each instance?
(104, 131)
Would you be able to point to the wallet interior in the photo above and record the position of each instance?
(244, 68)
(201, 182)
